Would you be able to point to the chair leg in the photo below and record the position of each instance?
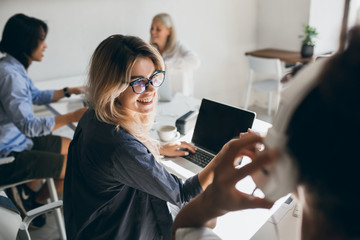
(23, 234)
(270, 103)
(248, 90)
(58, 214)
(247, 98)
(277, 101)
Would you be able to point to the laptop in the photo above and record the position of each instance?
(216, 124)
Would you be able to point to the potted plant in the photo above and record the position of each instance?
(307, 47)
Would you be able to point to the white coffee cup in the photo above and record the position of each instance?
(168, 133)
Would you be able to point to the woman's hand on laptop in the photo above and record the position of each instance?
(177, 149)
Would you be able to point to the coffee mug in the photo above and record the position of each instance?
(168, 133)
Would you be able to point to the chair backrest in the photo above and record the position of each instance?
(6, 186)
(270, 66)
(55, 204)
(10, 220)
(5, 160)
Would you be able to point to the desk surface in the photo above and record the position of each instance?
(283, 55)
(235, 225)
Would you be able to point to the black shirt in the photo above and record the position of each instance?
(114, 187)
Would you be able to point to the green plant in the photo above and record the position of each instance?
(310, 34)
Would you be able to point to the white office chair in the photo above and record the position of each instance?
(12, 226)
(265, 66)
(55, 204)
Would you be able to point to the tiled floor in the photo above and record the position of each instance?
(48, 232)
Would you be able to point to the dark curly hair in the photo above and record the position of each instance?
(324, 138)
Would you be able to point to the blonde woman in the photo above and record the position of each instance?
(180, 61)
(114, 186)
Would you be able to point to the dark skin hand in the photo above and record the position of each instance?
(221, 196)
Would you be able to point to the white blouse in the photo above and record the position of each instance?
(180, 64)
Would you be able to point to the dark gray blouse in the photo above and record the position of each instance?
(114, 187)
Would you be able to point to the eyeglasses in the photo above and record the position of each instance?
(141, 84)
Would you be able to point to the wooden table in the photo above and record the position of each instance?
(283, 55)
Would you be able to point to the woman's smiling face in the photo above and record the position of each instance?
(144, 102)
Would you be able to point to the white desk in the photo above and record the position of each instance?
(235, 225)
(64, 105)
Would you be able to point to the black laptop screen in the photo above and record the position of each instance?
(218, 123)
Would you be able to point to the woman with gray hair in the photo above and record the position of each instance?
(179, 59)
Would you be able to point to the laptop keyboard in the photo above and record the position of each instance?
(200, 158)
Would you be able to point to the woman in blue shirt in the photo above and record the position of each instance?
(114, 186)
(37, 153)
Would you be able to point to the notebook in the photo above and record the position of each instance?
(216, 124)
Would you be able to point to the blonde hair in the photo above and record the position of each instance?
(166, 19)
(109, 75)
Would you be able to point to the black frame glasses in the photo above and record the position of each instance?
(141, 84)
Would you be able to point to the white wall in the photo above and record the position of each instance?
(326, 16)
(219, 31)
(280, 23)
(354, 16)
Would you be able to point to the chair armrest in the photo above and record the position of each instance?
(38, 211)
(6, 160)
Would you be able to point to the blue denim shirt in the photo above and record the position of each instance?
(17, 96)
(114, 187)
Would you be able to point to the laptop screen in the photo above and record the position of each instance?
(218, 123)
